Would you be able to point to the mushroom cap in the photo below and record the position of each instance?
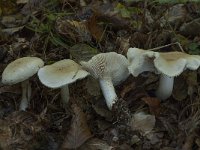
(174, 63)
(140, 61)
(108, 65)
(21, 69)
(168, 63)
(61, 73)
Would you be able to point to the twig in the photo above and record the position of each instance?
(179, 45)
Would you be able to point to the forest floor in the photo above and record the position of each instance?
(68, 29)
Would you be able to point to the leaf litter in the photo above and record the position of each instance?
(55, 30)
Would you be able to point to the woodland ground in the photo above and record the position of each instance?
(61, 29)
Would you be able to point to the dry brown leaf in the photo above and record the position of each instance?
(5, 134)
(126, 89)
(95, 144)
(79, 131)
(76, 30)
(94, 28)
(143, 123)
(180, 89)
(10, 89)
(154, 105)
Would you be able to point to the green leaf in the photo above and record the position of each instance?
(194, 48)
(83, 52)
(125, 13)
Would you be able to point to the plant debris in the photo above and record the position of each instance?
(54, 30)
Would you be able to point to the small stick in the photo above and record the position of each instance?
(179, 45)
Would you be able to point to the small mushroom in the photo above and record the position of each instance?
(168, 64)
(21, 70)
(60, 75)
(110, 69)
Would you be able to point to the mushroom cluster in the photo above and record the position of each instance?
(110, 69)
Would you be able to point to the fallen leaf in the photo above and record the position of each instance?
(143, 123)
(10, 89)
(93, 87)
(10, 31)
(180, 89)
(5, 134)
(155, 138)
(154, 105)
(83, 52)
(126, 89)
(79, 131)
(76, 30)
(95, 144)
(123, 43)
(22, 1)
(33, 6)
(94, 28)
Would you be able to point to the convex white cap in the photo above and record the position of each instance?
(110, 69)
(61, 73)
(21, 69)
(108, 65)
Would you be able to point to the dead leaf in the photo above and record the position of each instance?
(95, 144)
(94, 28)
(33, 6)
(93, 87)
(154, 105)
(76, 30)
(79, 131)
(83, 52)
(126, 89)
(10, 89)
(10, 31)
(143, 123)
(22, 1)
(124, 44)
(180, 90)
(5, 134)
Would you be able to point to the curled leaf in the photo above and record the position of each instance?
(79, 131)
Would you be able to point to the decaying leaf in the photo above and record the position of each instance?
(154, 105)
(95, 144)
(79, 131)
(5, 134)
(143, 123)
(126, 89)
(124, 44)
(93, 87)
(10, 89)
(76, 30)
(10, 31)
(180, 90)
(83, 52)
(95, 30)
(22, 1)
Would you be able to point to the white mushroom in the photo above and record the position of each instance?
(168, 64)
(21, 70)
(110, 69)
(60, 74)
(172, 64)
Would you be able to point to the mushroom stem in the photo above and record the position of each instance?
(65, 94)
(26, 94)
(165, 87)
(108, 92)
